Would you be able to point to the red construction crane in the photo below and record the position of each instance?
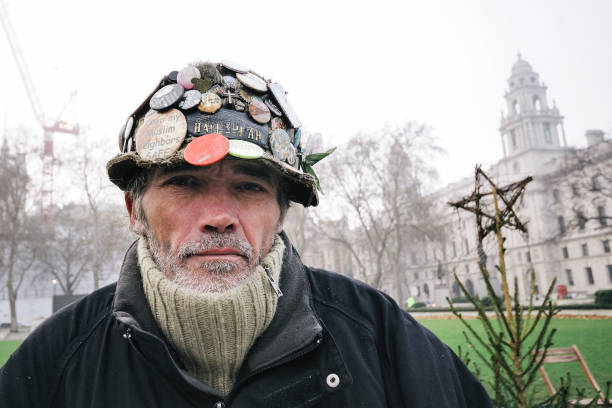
(59, 126)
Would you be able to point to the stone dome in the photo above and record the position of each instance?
(521, 67)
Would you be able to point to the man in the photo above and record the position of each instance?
(213, 307)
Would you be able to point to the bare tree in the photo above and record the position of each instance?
(379, 183)
(18, 236)
(585, 181)
(67, 256)
(107, 220)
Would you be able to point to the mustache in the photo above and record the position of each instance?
(216, 240)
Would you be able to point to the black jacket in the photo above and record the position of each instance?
(334, 342)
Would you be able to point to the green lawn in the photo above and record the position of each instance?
(6, 348)
(593, 338)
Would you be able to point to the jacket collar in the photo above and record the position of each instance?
(293, 327)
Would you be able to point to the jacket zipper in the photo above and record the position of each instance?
(274, 285)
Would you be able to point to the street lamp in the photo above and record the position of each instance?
(54, 281)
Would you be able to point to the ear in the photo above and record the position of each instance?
(136, 225)
(129, 205)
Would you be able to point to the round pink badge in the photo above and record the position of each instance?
(207, 149)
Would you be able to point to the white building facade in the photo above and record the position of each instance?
(565, 207)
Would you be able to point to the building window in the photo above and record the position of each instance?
(561, 224)
(610, 273)
(467, 269)
(454, 249)
(547, 135)
(528, 256)
(595, 184)
(589, 275)
(467, 245)
(470, 287)
(513, 138)
(520, 257)
(555, 193)
(585, 250)
(570, 278)
(536, 103)
(565, 252)
(575, 189)
(416, 276)
(601, 215)
(413, 258)
(581, 220)
(606, 246)
(455, 289)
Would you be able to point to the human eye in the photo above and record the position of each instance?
(180, 181)
(251, 187)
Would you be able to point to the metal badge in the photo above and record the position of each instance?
(190, 99)
(206, 150)
(259, 111)
(161, 134)
(292, 159)
(281, 98)
(280, 144)
(215, 89)
(253, 81)
(172, 76)
(273, 108)
(185, 76)
(247, 97)
(277, 123)
(166, 97)
(239, 105)
(202, 85)
(121, 137)
(234, 66)
(210, 102)
(297, 137)
(125, 137)
(244, 149)
(230, 81)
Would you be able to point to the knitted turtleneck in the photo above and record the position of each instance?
(212, 332)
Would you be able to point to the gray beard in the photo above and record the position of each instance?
(209, 276)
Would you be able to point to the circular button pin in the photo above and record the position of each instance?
(166, 97)
(190, 99)
(172, 76)
(273, 108)
(277, 123)
(185, 76)
(234, 66)
(253, 81)
(230, 81)
(280, 144)
(259, 111)
(210, 102)
(161, 134)
(244, 149)
(332, 380)
(207, 149)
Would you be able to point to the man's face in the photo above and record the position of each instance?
(208, 227)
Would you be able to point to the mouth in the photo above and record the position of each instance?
(221, 254)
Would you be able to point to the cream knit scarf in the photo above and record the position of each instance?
(212, 332)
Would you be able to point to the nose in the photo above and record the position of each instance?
(218, 213)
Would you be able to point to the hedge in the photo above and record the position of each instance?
(603, 297)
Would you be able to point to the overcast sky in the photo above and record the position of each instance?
(348, 66)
